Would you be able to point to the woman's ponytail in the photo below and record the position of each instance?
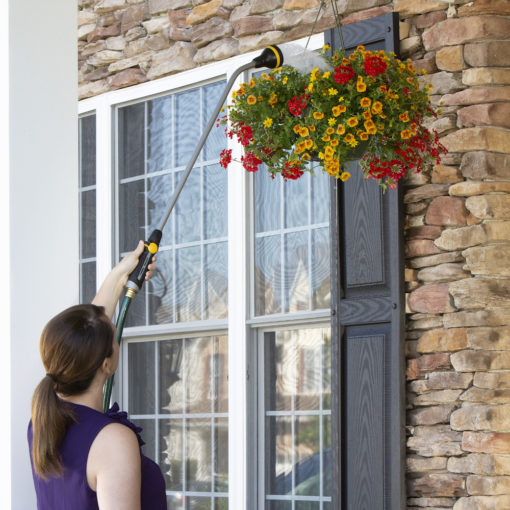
(50, 418)
(73, 346)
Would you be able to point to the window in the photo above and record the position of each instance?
(87, 198)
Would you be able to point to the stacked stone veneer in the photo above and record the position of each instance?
(457, 213)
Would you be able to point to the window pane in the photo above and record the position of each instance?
(268, 275)
(195, 503)
(141, 386)
(198, 456)
(197, 375)
(131, 125)
(88, 281)
(170, 376)
(160, 118)
(297, 281)
(320, 201)
(215, 202)
(162, 293)
(131, 214)
(88, 224)
(267, 202)
(321, 286)
(87, 135)
(217, 138)
(278, 505)
(149, 437)
(297, 447)
(188, 284)
(187, 106)
(221, 504)
(187, 209)
(160, 191)
(296, 201)
(171, 453)
(216, 281)
(221, 455)
(220, 374)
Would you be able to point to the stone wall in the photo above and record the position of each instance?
(457, 213)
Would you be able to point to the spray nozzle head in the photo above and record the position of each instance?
(271, 57)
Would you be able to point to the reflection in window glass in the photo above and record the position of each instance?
(183, 404)
(297, 418)
(87, 196)
(156, 139)
(291, 244)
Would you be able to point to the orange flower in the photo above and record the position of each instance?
(325, 138)
(361, 87)
(337, 110)
(330, 131)
(340, 130)
(318, 115)
(366, 102)
(369, 124)
(311, 128)
(297, 129)
(334, 142)
(353, 121)
(344, 176)
(251, 99)
(303, 132)
(377, 107)
(404, 117)
(367, 115)
(308, 143)
(405, 134)
(363, 136)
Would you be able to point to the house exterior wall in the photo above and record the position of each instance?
(457, 213)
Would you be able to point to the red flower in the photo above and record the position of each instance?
(225, 157)
(250, 162)
(297, 106)
(374, 66)
(244, 134)
(290, 171)
(343, 74)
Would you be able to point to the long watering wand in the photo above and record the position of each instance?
(271, 57)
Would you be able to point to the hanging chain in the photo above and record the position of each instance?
(338, 22)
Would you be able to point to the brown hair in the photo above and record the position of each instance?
(73, 346)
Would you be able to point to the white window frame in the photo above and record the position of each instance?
(242, 328)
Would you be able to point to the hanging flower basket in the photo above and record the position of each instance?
(367, 105)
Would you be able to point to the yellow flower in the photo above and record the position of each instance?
(340, 130)
(367, 115)
(373, 130)
(313, 74)
(273, 99)
(369, 124)
(285, 80)
(334, 142)
(260, 98)
(326, 47)
(337, 110)
(328, 153)
(268, 122)
(318, 115)
(360, 48)
(332, 91)
(349, 138)
(344, 176)
(366, 102)
(383, 89)
(311, 128)
(304, 132)
(297, 129)
(252, 83)
(330, 131)
(308, 143)
(404, 117)
(363, 136)
(251, 99)
(300, 147)
(377, 107)
(325, 138)
(331, 121)
(353, 121)
(306, 156)
(405, 134)
(326, 75)
(361, 87)
(310, 87)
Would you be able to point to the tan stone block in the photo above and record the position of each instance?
(481, 417)
(443, 82)
(420, 247)
(134, 16)
(483, 442)
(435, 441)
(442, 273)
(104, 6)
(177, 58)
(135, 33)
(424, 323)
(157, 6)
(414, 209)
(437, 397)
(86, 17)
(477, 95)
(418, 464)
(126, 78)
(489, 207)
(488, 54)
(410, 45)
(252, 25)
(480, 293)
(434, 260)
(483, 503)
(448, 211)
(441, 381)
(104, 57)
(488, 260)
(493, 380)
(411, 7)
(93, 88)
(262, 6)
(103, 33)
(212, 29)
(158, 42)
(479, 138)
(488, 485)
(485, 165)
(428, 20)
(473, 188)
(92, 48)
(456, 31)
(463, 237)
(442, 124)
(427, 363)
(424, 232)
(497, 317)
(494, 114)
(480, 463)
(431, 298)
(296, 5)
(115, 43)
(404, 29)
(486, 76)
(135, 47)
(450, 58)
(156, 25)
(443, 340)
(489, 338)
(500, 7)
(472, 361)
(438, 484)
(253, 42)
(483, 396)
(427, 64)
(430, 415)
(203, 12)
(443, 174)
(366, 14)
(288, 19)
(179, 34)
(217, 50)
(426, 191)
(130, 62)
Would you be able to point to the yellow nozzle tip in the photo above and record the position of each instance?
(153, 248)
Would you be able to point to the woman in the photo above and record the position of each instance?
(83, 459)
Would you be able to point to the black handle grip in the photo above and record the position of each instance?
(137, 277)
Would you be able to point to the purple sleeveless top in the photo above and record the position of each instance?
(70, 491)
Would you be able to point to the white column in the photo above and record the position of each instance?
(43, 157)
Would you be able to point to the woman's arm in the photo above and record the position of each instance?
(114, 468)
(110, 290)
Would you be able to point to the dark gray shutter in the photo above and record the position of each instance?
(367, 324)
